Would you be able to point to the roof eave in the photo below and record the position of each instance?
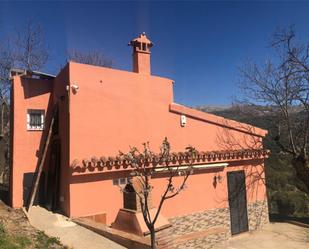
(217, 120)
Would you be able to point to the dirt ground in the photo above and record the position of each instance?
(271, 236)
(17, 233)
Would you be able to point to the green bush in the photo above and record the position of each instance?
(12, 242)
(43, 241)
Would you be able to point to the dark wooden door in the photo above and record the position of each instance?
(53, 177)
(237, 201)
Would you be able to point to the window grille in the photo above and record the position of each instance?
(35, 120)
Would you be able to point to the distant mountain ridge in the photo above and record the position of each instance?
(213, 108)
(241, 113)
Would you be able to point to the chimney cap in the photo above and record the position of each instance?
(142, 38)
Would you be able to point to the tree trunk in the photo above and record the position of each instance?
(153, 238)
(301, 166)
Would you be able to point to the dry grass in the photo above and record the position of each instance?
(17, 233)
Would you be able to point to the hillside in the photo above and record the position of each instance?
(17, 233)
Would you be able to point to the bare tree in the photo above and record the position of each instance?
(25, 49)
(282, 84)
(7, 60)
(95, 58)
(141, 161)
(30, 49)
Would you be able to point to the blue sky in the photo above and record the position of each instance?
(199, 44)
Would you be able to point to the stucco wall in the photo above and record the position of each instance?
(201, 193)
(27, 94)
(30, 93)
(113, 110)
(95, 193)
(61, 97)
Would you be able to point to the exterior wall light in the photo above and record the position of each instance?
(75, 88)
(218, 179)
(183, 120)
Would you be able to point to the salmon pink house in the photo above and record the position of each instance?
(95, 113)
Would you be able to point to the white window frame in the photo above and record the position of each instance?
(35, 128)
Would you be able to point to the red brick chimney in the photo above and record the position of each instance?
(141, 54)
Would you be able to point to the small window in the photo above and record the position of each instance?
(123, 181)
(120, 181)
(35, 120)
(144, 46)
